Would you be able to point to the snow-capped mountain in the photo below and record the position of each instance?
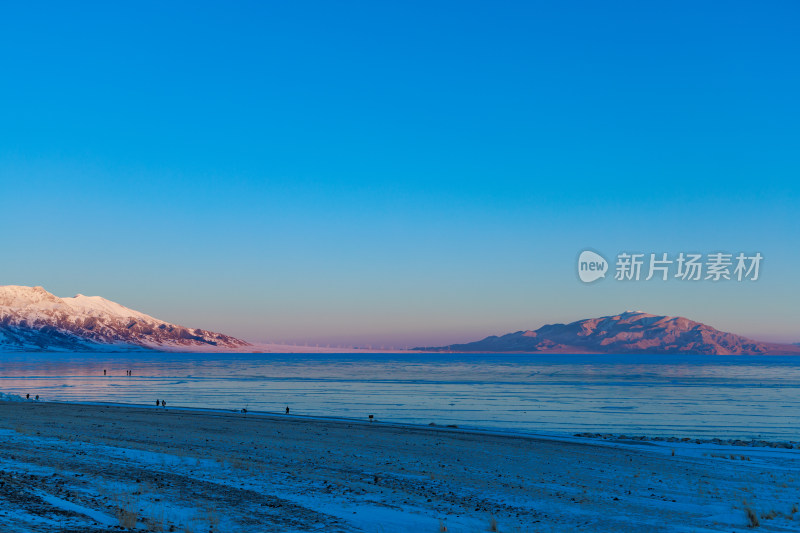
(33, 319)
(629, 332)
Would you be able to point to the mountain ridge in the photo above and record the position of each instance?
(628, 332)
(32, 319)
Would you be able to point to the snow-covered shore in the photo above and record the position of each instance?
(93, 467)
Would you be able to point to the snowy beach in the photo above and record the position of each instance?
(93, 468)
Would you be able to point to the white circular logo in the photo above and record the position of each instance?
(591, 266)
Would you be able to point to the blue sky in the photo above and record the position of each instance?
(397, 172)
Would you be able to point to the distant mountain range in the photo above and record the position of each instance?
(32, 319)
(629, 332)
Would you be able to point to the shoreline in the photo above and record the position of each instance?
(569, 436)
(82, 467)
(789, 350)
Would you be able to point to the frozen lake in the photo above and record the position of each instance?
(698, 396)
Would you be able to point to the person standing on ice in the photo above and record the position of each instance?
(287, 409)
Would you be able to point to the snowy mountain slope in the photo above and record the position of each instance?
(629, 332)
(33, 319)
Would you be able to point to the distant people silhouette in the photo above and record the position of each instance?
(163, 403)
(37, 397)
(158, 402)
(104, 371)
(287, 409)
(28, 396)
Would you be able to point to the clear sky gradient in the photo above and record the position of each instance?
(399, 172)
